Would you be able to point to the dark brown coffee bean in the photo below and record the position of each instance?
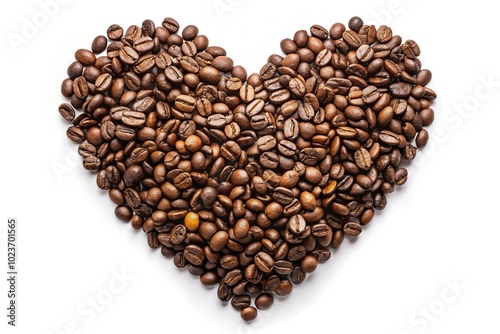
(80, 87)
(91, 163)
(123, 212)
(422, 138)
(76, 134)
(352, 38)
(233, 277)
(67, 112)
(85, 57)
(274, 167)
(209, 278)
(219, 240)
(400, 89)
(308, 264)
(194, 254)
(384, 34)
(389, 137)
(115, 32)
(99, 44)
(264, 262)
(240, 302)
(264, 301)
(224, 293)
(174, 74)
(133, 119)
(363, 159)
(128, 55)
(424, 77)
(296, 224)
(248, 313)
(133, 175)
(401, 176)
(266, 143)
(352, 228)
(230, 151)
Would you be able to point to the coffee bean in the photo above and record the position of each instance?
(76, 134)
(422, 138)
(266, 143)
(390, 138)
(91, 163)
(219, 240)
(230, 151)
(352, 38)
(85, 57)
(311, 156)
(194, 254)
(296, 224)
(102, 181)
(308, 264)
(400, 89)
(352, 228)
(123, 213)
(67, 112)
(249, 313)
(401, 176)
(411, 49)
(80, 87)
(264, 301)
(133, 119)
(264, 262)
(224, 293)
(240, 302)
(384, 34)
(363, 159)
(99, 44)
(233, 277)
(291, 129)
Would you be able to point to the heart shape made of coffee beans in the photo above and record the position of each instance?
(248, 180)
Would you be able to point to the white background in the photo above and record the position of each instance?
(439, 230)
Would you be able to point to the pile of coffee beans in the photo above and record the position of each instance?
(248, 180)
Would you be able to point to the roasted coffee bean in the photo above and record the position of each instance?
(291, 129)
(422, 138)
(230, 151)
(76, 134)
(282, 195)
(91, 163)
(133, 119)
(115, 32)
(390, 138)
(363, 159)
(240, 302)
(296, 224)
(194, 254)
(266, 143)
(264, 301)
(86, 149)
(352, 228)
(85, 57)
(248, 313)
(67, 111)
(80, 87)
(264, 262)
(219, 240)
(224, 293)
